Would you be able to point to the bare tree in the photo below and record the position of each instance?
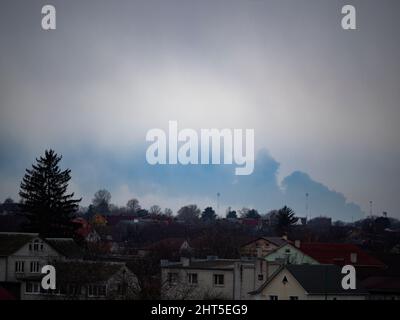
(155, 210)
(133, 205)
(189, 213)
(168, 212)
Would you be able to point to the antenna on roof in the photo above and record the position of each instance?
(307, 206)
(370, 208)
(218, 195)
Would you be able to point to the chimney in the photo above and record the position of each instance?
(164, 262)
(297, 244)
(185, 262)
(353, 257)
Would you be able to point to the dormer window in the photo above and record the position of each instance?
(36, 245)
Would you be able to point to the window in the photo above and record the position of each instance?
(273, 298)
(260, 277)
(122, 289)
(218, 279)
(192, 278)
(294, 298)
(35, 266)
(172, 278)
(19, 266)
(73, 289)
(36, 245)
(97, 290)
(32, 287)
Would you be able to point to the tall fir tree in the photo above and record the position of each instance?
(45, 201)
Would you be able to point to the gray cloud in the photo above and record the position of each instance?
(322, 100)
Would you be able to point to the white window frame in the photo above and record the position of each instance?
(172, 278)
(34, 267)
(93, 290)
(218, 276)
(19, 266)
(35, 287)
(191, 276)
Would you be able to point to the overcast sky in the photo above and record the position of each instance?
(324, 102)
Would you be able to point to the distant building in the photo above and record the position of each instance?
(289, 254)
(339, 254)
(323, 253)
(168, 248)
(260, 247)
(85, 280)
(213, 278)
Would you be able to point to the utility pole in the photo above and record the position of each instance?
(370, 208)
(218, 195)
(307, 206)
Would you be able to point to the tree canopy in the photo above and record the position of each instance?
(48, 206)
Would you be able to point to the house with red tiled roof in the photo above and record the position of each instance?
(261, 246)
(323, 253)
(339, 254)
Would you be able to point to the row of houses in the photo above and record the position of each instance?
(22, 256)
(269, 268)
(278, 269)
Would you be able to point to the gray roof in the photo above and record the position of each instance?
(11, 242)
(66, 247)
(83, 272)
(321, 279)
(274, 240)
(205, 265)
(317, 280)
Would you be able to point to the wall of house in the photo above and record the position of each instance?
(245, 279)
(290, 254)
(204, 288)
(44, 257)
(3, 261)
(283, 291)
(260, 247)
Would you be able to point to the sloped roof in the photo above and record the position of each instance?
(84, 272)
(205, 265)
(67, 247)
(316, 280)
(274, 240)
(338, 253)
(171, 243)
(322, 279)
(11, 242)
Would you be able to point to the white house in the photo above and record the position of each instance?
(289, 254)
(22, 255)
(213, 278)
(307, 282)
(85, 280)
